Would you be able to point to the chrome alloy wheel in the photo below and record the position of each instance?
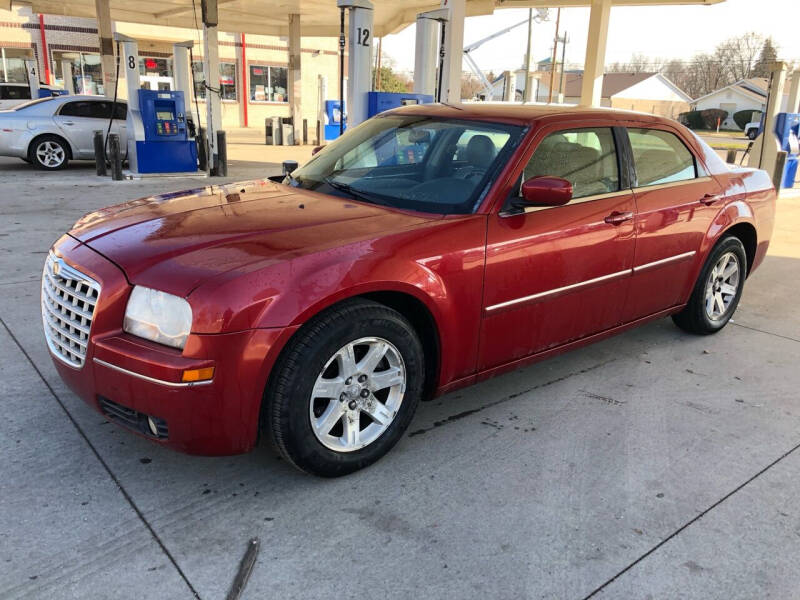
(357, 394)
(722, 286)
(50, 154)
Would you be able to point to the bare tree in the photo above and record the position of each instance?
(471, 86)
(738, 54)
(739, 57)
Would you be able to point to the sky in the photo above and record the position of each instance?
(658, 31)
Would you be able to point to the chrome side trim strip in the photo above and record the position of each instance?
(561, 289)
(151, 379)
(592, 198)
(664, 261)
(661, 186)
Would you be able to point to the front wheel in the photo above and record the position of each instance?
(717, 291)
(345, 389)
(752, 134)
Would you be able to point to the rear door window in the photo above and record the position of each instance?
(587, 158)
(660, 157)
(91, 109)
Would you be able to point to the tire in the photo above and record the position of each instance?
(320, 399)
(710, 307)
(752, 134)
(49, 153)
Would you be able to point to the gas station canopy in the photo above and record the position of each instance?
(270, 17)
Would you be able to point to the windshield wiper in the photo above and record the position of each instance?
(349, 189)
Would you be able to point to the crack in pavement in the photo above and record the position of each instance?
(102, 461)
(785, 337)
(691, 522)
(472, 411)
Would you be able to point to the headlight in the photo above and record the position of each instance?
(158, 316)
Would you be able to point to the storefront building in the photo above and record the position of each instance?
(253, 68)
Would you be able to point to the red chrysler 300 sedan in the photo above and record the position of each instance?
(428, 248)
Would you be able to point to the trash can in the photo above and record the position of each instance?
(268, 131)
(277, 137)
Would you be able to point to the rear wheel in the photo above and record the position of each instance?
(717, 291)
(345, 389)
(49, 153)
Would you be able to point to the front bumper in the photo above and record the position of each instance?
(215, 417)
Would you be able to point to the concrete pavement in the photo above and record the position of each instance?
(651, 465)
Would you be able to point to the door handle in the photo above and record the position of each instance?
(618, 218)
(709, 199)
(69, 123)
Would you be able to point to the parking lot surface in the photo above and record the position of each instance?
(651, 465)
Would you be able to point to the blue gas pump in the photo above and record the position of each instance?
(333, 116)
(378, 102)
(787, 128)
(158, 136)
(47, 92)
(166, 147)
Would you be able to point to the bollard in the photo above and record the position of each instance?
(777, 175)
(99, 153)
(116, 159)
(305, 132)
(222, 153)
(731, 157)
(202, 149)
(319, 133)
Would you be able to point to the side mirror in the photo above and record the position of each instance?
(545, 190)
(316, 149)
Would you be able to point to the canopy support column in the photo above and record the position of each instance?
(591, 91)
(794, 93)
(211, 75)
(105, 34)
(294, 84)
(454, 51)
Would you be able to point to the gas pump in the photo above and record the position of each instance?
(429, 52)
(787, 128)
(32, 69)
(158, 136)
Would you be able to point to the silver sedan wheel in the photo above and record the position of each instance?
(357, 395)
(722, 286)
(50, 154)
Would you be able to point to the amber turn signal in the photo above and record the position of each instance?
(198, 375)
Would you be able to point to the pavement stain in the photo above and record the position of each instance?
(467, 413)
(607, 399)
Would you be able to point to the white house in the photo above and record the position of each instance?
(645, 92)
(745, 94)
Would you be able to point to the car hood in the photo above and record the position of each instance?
(175, 242)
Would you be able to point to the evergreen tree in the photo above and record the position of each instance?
(768, 55)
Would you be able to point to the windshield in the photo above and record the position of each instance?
(414, 162)
(32, 103)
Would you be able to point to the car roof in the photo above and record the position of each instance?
(87, 97)
(523, 113)
(21, 84)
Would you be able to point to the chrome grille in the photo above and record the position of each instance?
(68, 301)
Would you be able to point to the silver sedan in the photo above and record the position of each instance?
(50, 132)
